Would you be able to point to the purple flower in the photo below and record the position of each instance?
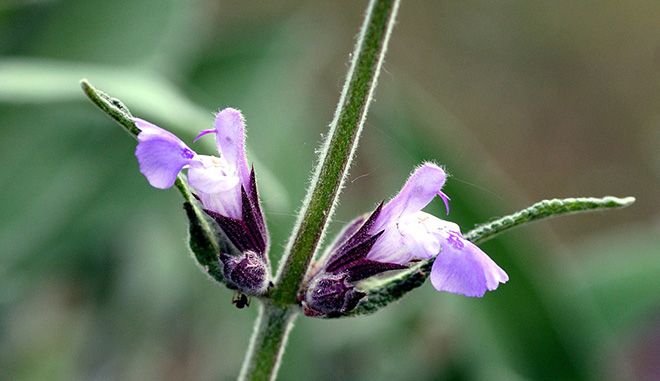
(460, 267)
(224, 185)
(393, 236)
(217, 181)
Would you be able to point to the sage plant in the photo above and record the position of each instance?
(375, 260)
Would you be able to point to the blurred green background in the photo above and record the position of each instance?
(520, 100)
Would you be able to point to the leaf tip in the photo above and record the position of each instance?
(86, 86)
(626, 201)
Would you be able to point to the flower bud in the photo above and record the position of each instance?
(330, 295)
(331, 291)
(246, 272)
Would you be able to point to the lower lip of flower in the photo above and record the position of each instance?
(187, 153)
(454, 239)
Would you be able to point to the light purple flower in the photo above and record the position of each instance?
(217, 181)
(225, 186)
(392, 237)
(409, 234)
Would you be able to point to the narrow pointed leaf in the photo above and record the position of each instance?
(204, 249)
(544, 209)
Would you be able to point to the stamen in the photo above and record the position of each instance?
(204, 132)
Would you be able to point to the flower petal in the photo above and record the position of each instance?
(217, 185)
(210, 174)
(230, 138)
(223, 203)
(413, 236)
(392, 247)
(462, 268)
(422, 186)
(161, 154)
(148, 128)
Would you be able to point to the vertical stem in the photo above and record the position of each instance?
(277, 314)
(271, 331)
(338, 149)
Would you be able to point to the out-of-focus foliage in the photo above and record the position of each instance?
(521, 101)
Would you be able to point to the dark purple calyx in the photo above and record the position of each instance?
(249, 232)
(246, 272)
(249, 271)
(331, 292)
(351, 256)
(330, 295)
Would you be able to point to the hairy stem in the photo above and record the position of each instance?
(338, 149)
(544, 209)
(111, 106)
(276, 315)
(269, 338)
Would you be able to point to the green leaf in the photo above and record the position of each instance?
(382, 292)
(204, 247)
(111, 106)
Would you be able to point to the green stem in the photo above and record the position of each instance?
(111, 106)
(338, 149)
(271, 331)
(544, 209)
(277, 315)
